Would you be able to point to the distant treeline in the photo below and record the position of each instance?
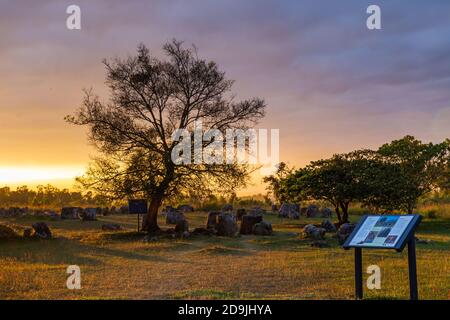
(48, 196)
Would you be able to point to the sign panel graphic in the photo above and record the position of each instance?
(381, 231)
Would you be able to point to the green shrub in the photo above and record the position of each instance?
(432, 214)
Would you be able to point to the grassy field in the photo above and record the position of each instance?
(119, 265)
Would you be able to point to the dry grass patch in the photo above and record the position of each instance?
(119, 265)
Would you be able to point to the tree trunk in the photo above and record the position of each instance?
(344, 207)
(338, 213)
(411, 205)
(151, 219)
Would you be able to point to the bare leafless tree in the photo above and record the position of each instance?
(150, 98)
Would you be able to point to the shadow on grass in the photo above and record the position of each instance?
(122, 236)
(205, 294)
(286, 241)
(222, 250)
(61, 250)
(384, 298)
(437, 226)
(434, 245)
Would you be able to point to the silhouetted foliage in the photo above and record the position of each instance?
(150, 99)
(274, 185)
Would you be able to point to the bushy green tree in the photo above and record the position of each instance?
(336, 180)
(392, 178)
(420, 167)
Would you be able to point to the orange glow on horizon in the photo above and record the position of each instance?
(36, 175)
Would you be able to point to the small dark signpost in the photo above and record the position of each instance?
(385, 232)
(137, 206)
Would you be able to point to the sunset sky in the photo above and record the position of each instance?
(331, 85)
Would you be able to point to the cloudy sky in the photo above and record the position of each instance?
(331, 84)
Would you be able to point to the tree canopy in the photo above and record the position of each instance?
(150, 99)
(393, 177)
(421, 165)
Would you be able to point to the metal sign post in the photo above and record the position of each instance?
(358, 274)
(385, 232)
(413, 292)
